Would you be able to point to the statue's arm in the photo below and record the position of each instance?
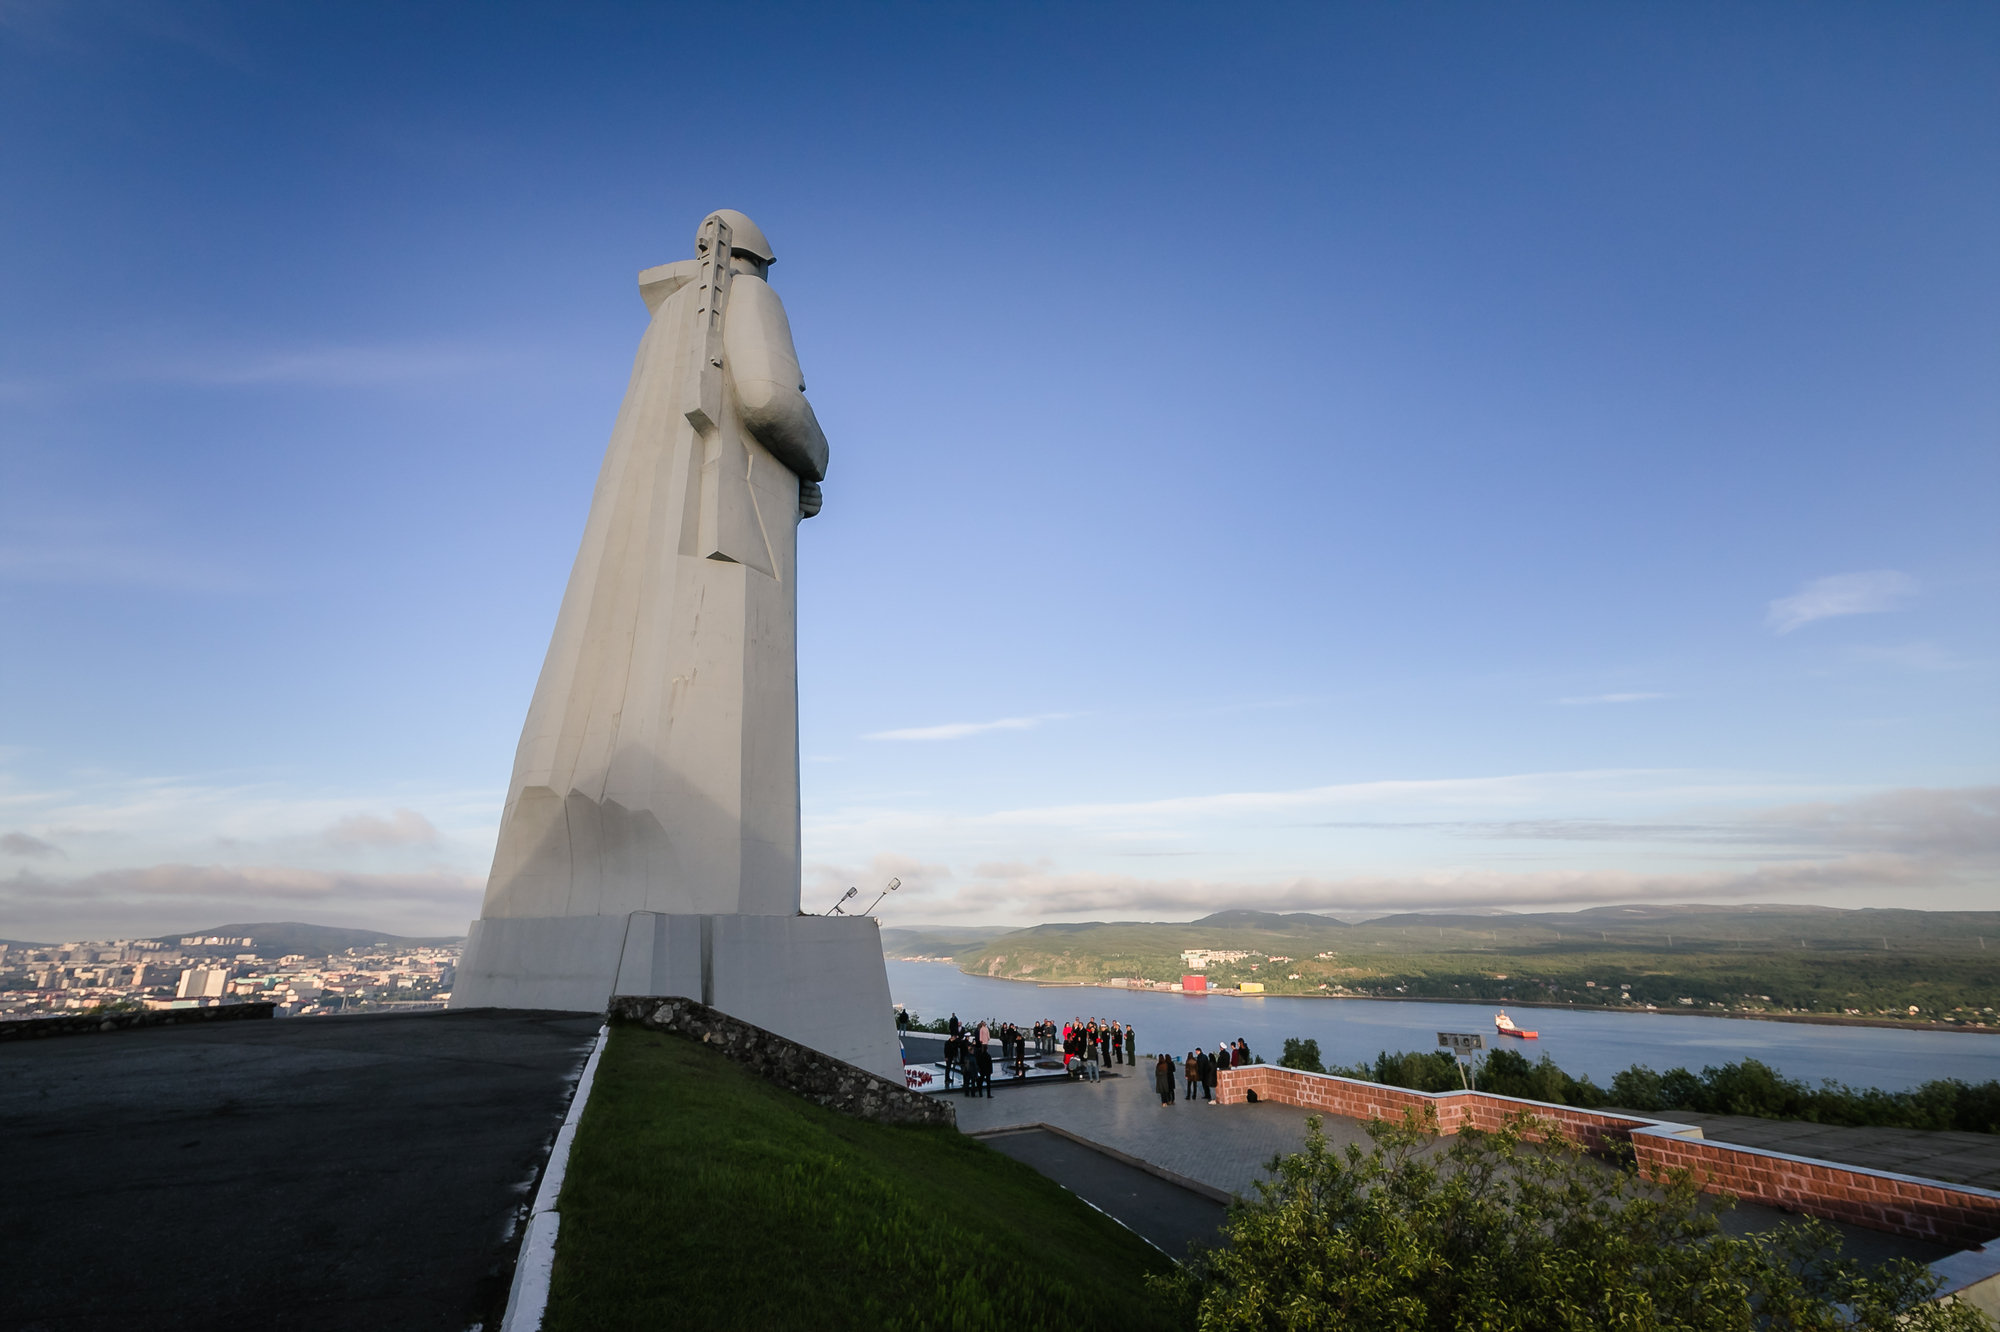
(757, 340)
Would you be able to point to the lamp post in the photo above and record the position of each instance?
(894, 884)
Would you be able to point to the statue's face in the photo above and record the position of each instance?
(748, 263)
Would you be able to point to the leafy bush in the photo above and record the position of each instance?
(1519, 1231)
(1431, 1071)
(1508, 1073)
(1302, 1055)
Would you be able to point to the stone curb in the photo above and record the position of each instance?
(528, 1296)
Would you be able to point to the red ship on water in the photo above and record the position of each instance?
(1505, 1026)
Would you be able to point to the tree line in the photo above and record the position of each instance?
(1746, 1087)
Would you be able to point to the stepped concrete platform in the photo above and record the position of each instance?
(308, 1173)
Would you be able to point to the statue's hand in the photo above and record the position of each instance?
(810, 498)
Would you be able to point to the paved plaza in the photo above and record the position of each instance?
(1227, 1146)
(1222, 1146)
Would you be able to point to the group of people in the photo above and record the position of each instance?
(968, 1052)
(1088, 1046)
(1200, 1069)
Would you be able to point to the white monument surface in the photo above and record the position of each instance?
(650, 843)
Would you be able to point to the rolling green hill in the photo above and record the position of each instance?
(277, 938)
(937, 940)
(1774, 959)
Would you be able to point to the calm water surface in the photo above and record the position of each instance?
(1352, 1030)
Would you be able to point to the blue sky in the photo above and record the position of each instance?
(1331, 457)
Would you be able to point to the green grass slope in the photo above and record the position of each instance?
(699, 1196)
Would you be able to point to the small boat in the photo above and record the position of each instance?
(1505, 1026)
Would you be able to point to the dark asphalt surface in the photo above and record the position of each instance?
(309, 1173)
(1163, 1212)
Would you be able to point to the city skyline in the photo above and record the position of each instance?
(1376, 460)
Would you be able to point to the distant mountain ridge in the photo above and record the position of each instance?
(278, 938)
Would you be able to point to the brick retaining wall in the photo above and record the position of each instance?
(820, 1078)
(1878, 1200)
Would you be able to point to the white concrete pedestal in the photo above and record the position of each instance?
(817, 980)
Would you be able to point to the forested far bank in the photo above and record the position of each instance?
(1941, 967)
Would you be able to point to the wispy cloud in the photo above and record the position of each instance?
(1841, 594)
(1927, 657)
(69, 561)
(1417, 843)
(1586, 700)
(959, 730)
(403, 827)
(354, 366)
(34, 848)
(155, 899)
(342, 367)
(1057, 896)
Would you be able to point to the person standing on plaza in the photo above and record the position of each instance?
(1117, 1042)
(950, 1059)
(1204, 1064)
(1163, 1079)
(1131, 1044)
(1191, 1068)
(1093, 1062)
(983, 1066)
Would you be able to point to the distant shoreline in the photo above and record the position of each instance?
(1810, 1019)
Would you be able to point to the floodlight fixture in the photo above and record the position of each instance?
(894, 884)
(849, 895)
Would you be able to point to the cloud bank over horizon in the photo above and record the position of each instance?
(1527, 841)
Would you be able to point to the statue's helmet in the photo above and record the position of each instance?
(744, 235)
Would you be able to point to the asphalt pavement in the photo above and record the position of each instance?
(1170, 1216)
(306, 1174)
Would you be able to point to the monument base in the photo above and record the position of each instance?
(817, 980)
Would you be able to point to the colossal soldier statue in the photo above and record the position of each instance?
(650, 843)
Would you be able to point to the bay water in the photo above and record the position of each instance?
(1349, 1031)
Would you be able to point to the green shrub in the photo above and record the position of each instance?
(1519, 1231)
(1508, 1073)
(1431, 1071)
(1302, 1055)
(1747, 1087)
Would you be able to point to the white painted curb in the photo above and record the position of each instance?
(528, 1297)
